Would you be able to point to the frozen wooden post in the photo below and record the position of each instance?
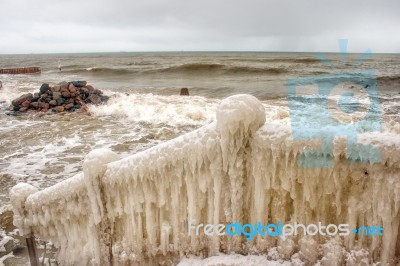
(31, 244)
(18, 197)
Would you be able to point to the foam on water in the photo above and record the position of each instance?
(157, 109)
(30, 160)
(8, 91)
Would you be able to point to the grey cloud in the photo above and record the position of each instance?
(82, 26)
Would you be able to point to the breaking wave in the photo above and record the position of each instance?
(225, 69)
(389, 78)
(190, 68)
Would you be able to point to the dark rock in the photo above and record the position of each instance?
(66, 94)
(43, 106)
(69, 106)
(47, 99)
(44, 88)
(63, 84)
(44, 95)
(60, 101)
(55, 88)
(85, 92)
(104, 98)
(50, 93)
(25, 103)
(89, 88)
(34, 105)
(16, 108)
(70, 100)
(95, 99)
(13, 113)
(77, 106)
(56, 95)
(53, 103)
(71, 88)
(184, 92)
(98, 92)
(19, 100)
(59, 109)
(79, 83)
(36, 95)
(35, 99)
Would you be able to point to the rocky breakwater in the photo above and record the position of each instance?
(65, 96)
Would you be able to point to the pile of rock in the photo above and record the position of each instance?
(65, 96)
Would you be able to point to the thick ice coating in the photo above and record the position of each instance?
(18, 195)
(137, 209)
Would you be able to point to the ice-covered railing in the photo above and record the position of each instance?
(136, 210)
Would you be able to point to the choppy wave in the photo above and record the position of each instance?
(282, 60)
(108, 70)
(190, 68)
(225, 69)
(389, 78)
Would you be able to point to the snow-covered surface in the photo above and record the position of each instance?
(234, 169)
(232, 260)
(3, 258)
(3, 242)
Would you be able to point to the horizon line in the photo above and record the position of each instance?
(192, 51)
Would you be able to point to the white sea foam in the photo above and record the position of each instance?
(156, 109)
(13, 88)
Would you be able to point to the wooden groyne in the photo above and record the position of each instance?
(23, 70)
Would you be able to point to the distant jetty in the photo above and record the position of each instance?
(23, 70)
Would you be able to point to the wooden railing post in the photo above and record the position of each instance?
(33, 255)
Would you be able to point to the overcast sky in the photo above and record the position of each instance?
(52, 26)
